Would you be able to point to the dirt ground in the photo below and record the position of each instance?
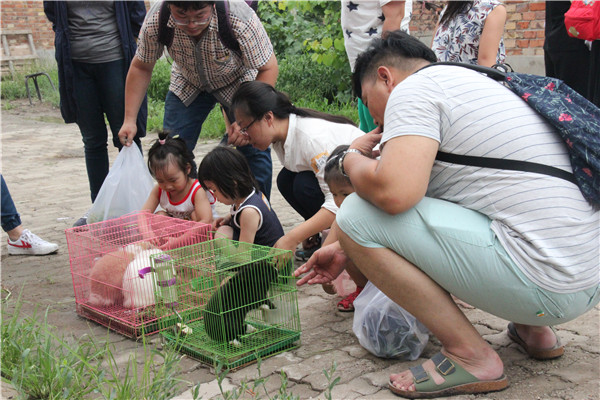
(43, 164)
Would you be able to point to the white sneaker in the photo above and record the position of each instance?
(30, 244)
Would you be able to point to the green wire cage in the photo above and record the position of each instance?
(247, 301)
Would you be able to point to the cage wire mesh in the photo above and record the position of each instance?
(114, 280)
(249, 304)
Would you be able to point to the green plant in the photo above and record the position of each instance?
(156, 111)
(302, 78)
(161, 79)
(313, 28)
(156, 380)
(42, 365)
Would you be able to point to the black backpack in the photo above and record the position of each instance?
(165, 33)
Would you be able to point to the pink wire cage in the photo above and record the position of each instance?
(117, 282)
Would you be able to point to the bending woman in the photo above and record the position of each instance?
(302, 139)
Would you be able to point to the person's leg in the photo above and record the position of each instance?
(572, 67)
(418, 257)
(419, 294)
(416, 292)
(186, 121)
(112, 97)
(301, 190)
(11, 220)
(20, 240)
(549, 64)
(594, 78)
(90, 119)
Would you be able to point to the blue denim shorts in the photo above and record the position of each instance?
(457, 248)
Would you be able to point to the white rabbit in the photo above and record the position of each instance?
(138, 292)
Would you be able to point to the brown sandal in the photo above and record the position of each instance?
(539, 354)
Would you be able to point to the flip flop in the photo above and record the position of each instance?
(539, 354)
(456, 381)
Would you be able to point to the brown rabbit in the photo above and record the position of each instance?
(106, 278)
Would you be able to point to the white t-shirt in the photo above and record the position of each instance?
(362, 21)
(308, 143)
(544, 223)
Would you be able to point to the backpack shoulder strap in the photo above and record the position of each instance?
(493, 73)
(225, 31)
(165, 33)
(502, 163)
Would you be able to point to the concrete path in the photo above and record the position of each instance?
(43, 164)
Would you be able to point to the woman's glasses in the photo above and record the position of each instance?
(244, 131)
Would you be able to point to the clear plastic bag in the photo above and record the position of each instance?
(125, 189)
(385, 329)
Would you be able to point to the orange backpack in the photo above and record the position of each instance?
(583, 19)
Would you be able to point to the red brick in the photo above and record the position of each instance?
(537, 6)
(523, 7)
(529, 35)
(536, 43)
(515, 17)
(522, 43)
(528, 16)
(537, 25)
(522, 24)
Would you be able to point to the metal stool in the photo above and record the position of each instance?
(35, 82)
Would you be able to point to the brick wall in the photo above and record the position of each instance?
(524, 31)
(27, 15)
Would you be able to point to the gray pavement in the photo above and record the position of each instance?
(43, 164)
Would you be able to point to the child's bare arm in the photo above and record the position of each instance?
(202, 208)
(249, 223)
(152, 200)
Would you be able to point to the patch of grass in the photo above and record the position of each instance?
(41, 364)
(13, 87)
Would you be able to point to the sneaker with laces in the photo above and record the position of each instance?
(31, 245)
(347, 303)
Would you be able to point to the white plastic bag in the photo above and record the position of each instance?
(125, 189)
(385, 329)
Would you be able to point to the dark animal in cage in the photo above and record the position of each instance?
(226, 310)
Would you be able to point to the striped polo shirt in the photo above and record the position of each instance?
(544, 223)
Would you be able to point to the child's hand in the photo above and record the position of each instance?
(220, 222)
(170, 243)
(367, 142)
(286, 243)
